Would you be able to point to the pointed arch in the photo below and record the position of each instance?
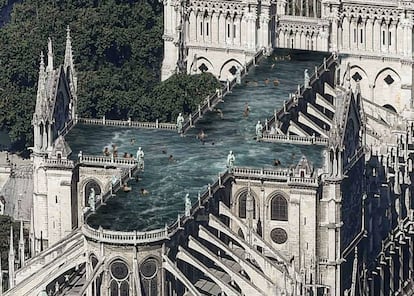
(279, 208)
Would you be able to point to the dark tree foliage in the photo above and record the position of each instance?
(179, 93)
(118, 51)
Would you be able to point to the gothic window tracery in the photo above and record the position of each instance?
(243, 205)
(149, 271)
(278, 235)
(279, 208)
(119, 273)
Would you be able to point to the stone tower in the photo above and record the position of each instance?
(52, 171)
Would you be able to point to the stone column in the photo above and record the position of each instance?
(232, 31)
(36, 133)
(410, 35)
(281, 39)
(197, 36)
(49, 135)
(214, 28)
(382, 282)
(307, 8)
(384, 39)
(222, 30)
(88, 274)
(400, 41)
(391, 284)
(105, 283)
(45, 136)
(334, 29)
(393, 40)
(410, 258)
(368, 35)
(353, 28)
(377, 36)
(345, 35)
(361, 35)
(264, 26)
(192, 32)
(237, 33)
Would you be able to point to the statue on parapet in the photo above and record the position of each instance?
(259, 130)
(140, 158)
(306, 78)
(91, 199)
(180, 122)
(187, 205)
(230, 160)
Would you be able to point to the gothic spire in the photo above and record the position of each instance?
(68, 50)
(68, 62)
(11, 259)
(49, 55)
(41, 87)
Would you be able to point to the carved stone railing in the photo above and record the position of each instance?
(250, 172)
(68, 126)
(127, 123)
(121, 237)
(280, 175)
(294, 139)
(59, 162)
(107, 160)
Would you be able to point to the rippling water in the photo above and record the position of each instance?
(197, 164)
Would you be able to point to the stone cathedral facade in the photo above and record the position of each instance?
(346, 228)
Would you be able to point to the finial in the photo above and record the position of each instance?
(11, 248)
(49, 55)
(42, 61)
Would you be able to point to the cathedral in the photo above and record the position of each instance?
(343, 228)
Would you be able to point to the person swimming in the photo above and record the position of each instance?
(171, 159)
(144, 191)
(219, 112)
(246, 110)
(106, 151)
(201, 136)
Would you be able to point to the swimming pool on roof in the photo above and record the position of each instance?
(196, 164)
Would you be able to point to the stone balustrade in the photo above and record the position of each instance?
(68, 126)
(293, 139)
(250, 172)
(122, 237)
(107, 160)
(283, 175)
(127, 123)
(59, 162)
(303, 181)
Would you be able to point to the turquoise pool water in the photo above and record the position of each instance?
(197, 164)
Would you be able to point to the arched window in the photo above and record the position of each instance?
(243, 206)
(279, 208)
(119, 272)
